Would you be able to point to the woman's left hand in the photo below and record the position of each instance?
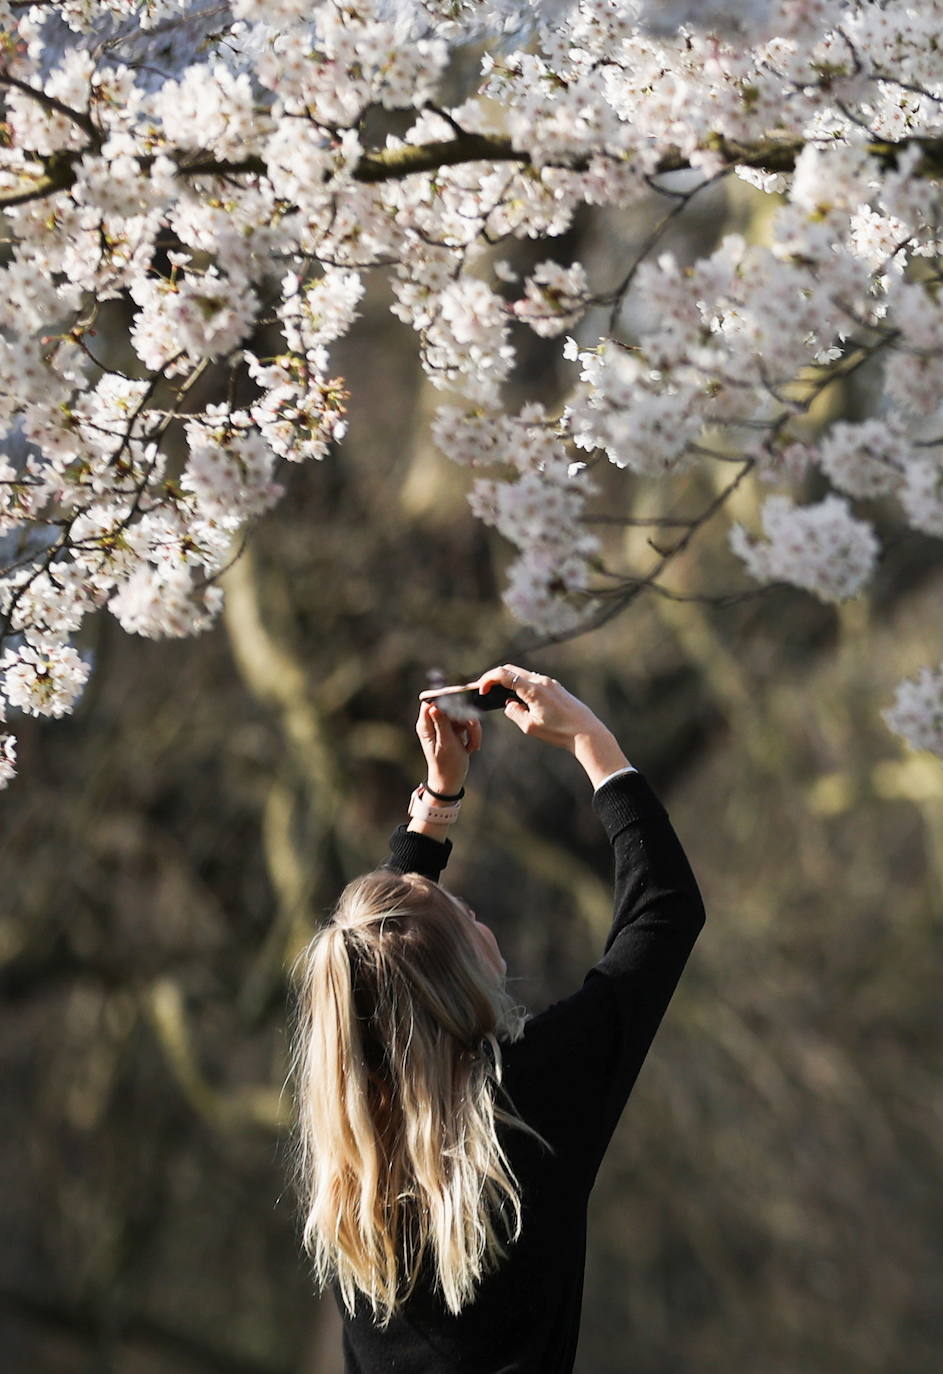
(447, 745)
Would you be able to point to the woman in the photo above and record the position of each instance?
(448, 1143)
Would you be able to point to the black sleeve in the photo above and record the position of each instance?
(579, 1059)
(655, 890)
(658, 914)
(412, 852)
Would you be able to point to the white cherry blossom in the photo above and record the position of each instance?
(233, 194)
(917, 710)
(196, 315)
(229, 470)
(554, 298)
(43, 679)
(864, 459)
(7, 760)
(821, 547)
(922, 493)
(162, 602)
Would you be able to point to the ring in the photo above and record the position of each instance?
(515, 678)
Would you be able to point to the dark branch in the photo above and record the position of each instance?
(53, 105)
(58, 174)
(388, 164)
(391, 164)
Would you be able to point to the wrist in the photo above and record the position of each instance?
(449, 787)
(432, 810)
(599, 753)
(436, 830)
(445, 798)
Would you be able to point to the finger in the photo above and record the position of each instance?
(450, 732)
(518, 714)
(474, 736)
(443, 727)
(519, 680)
(491, 678)
(428, 728)
(452, 728)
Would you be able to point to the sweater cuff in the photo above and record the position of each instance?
(624, 799)
(413, 852)
(629, 768)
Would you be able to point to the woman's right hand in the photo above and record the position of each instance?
(551, 713)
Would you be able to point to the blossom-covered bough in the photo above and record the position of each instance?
(196, 205)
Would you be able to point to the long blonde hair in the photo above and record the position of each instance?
(396, 1064)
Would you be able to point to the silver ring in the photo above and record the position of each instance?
(515, 678)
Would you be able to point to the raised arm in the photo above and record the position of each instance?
(658, 914)
(422, 845)
(597, 1039)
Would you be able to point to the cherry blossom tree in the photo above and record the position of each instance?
(250, 182)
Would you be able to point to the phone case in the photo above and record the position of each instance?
(454, 700)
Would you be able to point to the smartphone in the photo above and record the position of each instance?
(465, 703)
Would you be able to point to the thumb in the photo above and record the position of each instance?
(518, 714)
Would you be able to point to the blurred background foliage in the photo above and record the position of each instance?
(772, 1199)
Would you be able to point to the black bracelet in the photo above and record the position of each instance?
(440, 796)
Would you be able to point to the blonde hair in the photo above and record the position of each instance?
(396, 1065)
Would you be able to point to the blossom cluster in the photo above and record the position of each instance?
(820, 547)
(229, 213)
(535, 497)
(917, 710)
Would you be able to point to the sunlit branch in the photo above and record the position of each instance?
(392, 164)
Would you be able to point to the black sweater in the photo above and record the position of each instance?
(569, 1077)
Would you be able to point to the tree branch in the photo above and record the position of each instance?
(57, 173)
(392, 164)
(389, 164)
(53, 105)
